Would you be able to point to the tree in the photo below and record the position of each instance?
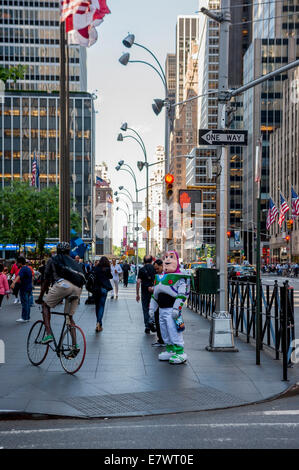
(13, 73)
(17, 207)
(116, 250)
(28, 214)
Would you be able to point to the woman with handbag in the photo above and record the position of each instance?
(4, 287)
(103, 275)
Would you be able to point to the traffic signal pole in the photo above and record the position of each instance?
(224, 96)
(221, 335)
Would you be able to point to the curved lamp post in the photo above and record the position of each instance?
(122, 188)
(139, 140)
(119, 167)
(118, 193)
(128, 42)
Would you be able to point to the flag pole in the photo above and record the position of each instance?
(64, 167)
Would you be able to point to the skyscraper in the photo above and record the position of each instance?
(29, 36)
(187, 31)
(29, 113)
(278, 21)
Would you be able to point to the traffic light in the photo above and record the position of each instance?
(290, 224)
(169, 179)
(228, 233)
(288, 238)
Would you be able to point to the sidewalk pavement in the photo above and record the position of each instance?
(122, 376)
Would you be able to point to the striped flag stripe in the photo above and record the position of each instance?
(81, 17)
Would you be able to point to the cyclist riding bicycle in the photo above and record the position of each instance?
(63, 279)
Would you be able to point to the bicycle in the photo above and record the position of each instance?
(70, 335)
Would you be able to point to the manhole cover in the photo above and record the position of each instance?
(167, 401)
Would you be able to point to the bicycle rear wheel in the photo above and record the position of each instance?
(70, 362)
(36, 351)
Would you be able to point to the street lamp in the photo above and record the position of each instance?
(124, 127)
(129, 212)
(158, 106)
(118, 193)
(119, 167)
(128, 42)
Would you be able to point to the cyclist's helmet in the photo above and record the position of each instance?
(63, 248)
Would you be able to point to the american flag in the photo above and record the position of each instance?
(34, 173)
(283, 209)
(100, 182)
(81, 17)
(272, 214)
(295, 203)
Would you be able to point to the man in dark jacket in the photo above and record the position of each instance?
(24, 277)
(146, 278)
(126, 269)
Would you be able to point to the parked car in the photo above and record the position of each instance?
(242, 273)
(193, 266)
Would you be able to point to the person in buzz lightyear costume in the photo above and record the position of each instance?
(171, 290)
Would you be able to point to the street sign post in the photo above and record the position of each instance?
(222, 137)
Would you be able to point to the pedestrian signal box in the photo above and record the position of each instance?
(188, 198)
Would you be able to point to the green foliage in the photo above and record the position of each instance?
(141, 254)
(13, 73)
(31, 215)
(116, 250)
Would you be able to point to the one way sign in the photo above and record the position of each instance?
(222, 137)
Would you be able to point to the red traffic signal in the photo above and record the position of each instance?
(228, 233)
(288, 238)
(169, 179)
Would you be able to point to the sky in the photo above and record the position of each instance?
(126, 93)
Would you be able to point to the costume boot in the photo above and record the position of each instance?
(166, 355)
(179, 357)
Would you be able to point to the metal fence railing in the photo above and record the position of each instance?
(277, 323)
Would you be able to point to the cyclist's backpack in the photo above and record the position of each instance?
(69, 270)
(91, 285)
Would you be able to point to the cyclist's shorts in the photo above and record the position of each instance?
(59, 291)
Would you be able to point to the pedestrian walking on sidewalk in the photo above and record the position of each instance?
(146, 278)
(13, 275)
(158, 266)
(4, 287)
(126, 269)
(25, 279)
(103, 285)
(29, 264)
(115, 271)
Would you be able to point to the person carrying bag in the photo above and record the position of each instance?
(102, 286)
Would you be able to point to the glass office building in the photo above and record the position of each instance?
(262, 116)
(29, 125)
(29, 35)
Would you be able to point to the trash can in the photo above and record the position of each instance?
(206, 281)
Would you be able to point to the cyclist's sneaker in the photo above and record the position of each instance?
(47, 339)
(74, 352)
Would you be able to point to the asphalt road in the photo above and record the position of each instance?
(272, 425)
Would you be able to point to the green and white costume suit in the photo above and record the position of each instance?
(170, 293)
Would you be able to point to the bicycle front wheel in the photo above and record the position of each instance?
(72, 358)
(36, 351)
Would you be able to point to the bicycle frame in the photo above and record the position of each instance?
(58, 345)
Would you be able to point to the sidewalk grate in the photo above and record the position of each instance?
(147, 403)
